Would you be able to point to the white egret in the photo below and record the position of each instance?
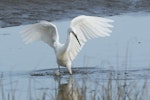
(82, 28)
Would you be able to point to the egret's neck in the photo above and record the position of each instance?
(57, 46)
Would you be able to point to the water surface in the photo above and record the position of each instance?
(116, 67)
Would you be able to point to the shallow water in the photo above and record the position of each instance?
(126, 48)
(84, 84)
(117, 68)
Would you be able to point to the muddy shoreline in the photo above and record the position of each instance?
(18, 12)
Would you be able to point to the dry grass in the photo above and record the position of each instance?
(115, 86)
(118, 88)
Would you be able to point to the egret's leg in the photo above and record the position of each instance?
(69, 68)
(59, 68)
(57, 73)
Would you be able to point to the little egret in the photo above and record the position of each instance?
(82, 28)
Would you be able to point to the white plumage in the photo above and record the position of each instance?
(82, 28)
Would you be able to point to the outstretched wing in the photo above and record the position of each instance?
(42, 31)
(83, 28)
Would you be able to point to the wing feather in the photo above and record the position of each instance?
(42, 31)
(86, 27)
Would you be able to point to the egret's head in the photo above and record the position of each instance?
(70, 30)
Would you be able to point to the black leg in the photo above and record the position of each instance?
(59, 68)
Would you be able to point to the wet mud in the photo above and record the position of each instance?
(18, 12)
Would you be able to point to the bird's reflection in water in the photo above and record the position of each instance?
(71, 91)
